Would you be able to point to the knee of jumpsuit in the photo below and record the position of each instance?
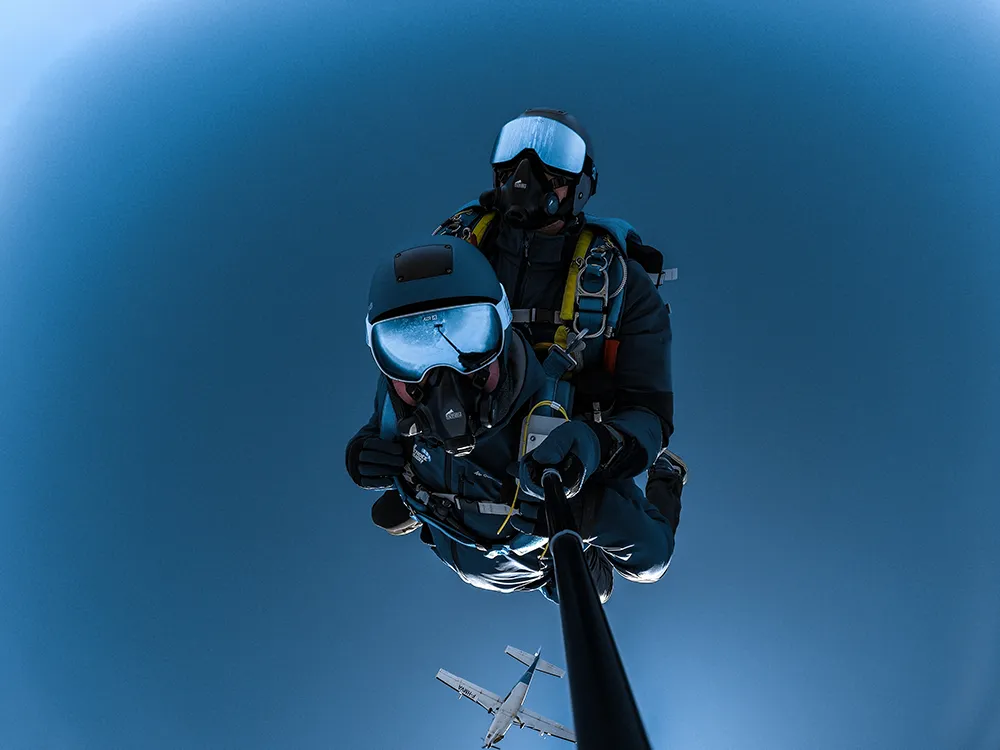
(503, 573)
(634, 535)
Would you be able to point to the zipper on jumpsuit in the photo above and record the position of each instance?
(522, 271)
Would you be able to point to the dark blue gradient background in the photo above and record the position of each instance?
(189, 212)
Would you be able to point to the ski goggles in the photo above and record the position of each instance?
(558, 146)
(465, 338)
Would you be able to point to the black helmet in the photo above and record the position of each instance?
(566, 119)
(537, 142)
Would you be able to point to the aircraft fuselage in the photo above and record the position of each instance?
(504, 715)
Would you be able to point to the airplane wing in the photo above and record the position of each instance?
(490, 701)
(544, 726)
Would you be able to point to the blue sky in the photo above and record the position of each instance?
(191, 202)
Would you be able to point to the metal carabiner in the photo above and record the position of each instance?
(602, 293)
(582, 333)
(605, 260)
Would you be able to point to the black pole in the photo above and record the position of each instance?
(604, 710)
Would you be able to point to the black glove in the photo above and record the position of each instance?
(529, 517)
(577, 449)
(573, 447)
(373, 462)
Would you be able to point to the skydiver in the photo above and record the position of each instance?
(457, 381)
(530, 225)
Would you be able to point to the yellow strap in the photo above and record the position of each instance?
(562, 337)
(569, 293)
(482, 225)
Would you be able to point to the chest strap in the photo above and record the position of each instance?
(593, 293)
(449, 500)
(537, 315)
(445, 511)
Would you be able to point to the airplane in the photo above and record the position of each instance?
(510, 710)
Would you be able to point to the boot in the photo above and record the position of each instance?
(389, 512)
(664, 482)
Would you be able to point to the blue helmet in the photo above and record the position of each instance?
(436, 305)
(438, 323)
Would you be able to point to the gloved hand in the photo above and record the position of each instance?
(573, 448)
(530, 517)
(373, 462)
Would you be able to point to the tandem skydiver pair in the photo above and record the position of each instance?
(524, 334)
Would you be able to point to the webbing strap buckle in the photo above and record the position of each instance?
(601, 293)
(587, 273)
(535, 315)
(558, 362)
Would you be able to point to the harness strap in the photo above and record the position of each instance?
(451, 499)
(480, 227)
(579, 256)
(594, 293)
(468, 224)
(569, 300)
(444, 511)
(537, 315)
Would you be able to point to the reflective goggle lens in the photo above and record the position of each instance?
(465, 338)
(557, 145)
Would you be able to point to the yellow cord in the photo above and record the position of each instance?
(510, 512)
(524, 443)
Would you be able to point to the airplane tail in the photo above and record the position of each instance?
(526, 659)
